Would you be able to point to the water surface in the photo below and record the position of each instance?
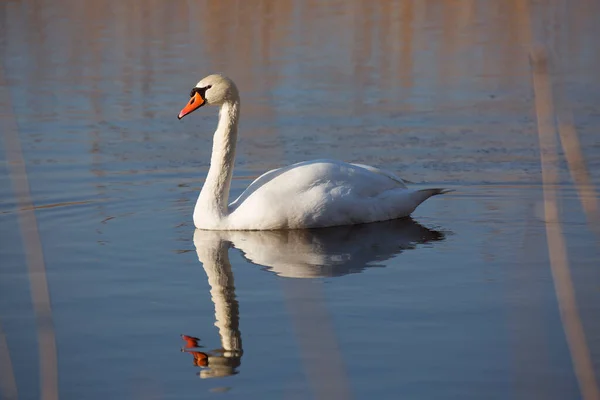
(458, 302)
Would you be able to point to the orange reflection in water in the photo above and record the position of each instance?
(191, 342)
(217, 363)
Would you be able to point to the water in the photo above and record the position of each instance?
(457, 303)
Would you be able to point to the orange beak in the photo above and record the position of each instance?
(195, 102)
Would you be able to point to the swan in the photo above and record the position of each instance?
(309, 194)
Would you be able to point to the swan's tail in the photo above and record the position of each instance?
(434, 192)
(423, 194)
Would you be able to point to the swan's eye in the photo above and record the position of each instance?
(201, 91)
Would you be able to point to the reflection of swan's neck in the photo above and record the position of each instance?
(222, 290)
(214, 197)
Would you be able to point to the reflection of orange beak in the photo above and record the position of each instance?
(195, 102)
(190, 341)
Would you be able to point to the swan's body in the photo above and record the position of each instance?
(309, 194)
(321, 193)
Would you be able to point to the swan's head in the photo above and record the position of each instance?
(213, 90)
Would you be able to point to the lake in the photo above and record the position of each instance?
(102, 270)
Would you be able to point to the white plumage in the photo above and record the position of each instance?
(309, 194)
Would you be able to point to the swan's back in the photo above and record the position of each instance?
(321, 193)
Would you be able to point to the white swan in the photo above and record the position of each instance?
(310, 194)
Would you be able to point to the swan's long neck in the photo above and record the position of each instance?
(214, 197)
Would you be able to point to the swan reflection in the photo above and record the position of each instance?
(311, 253)
(213, 254)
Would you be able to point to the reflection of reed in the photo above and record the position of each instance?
(388, 48)
(569, 140)
(246, 38)
(546, 112)
(34, 254)
(8, 384)
(319, 350)
(578, 170)
(557, 250)
(250, 37)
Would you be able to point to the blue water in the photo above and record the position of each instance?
(458, 302)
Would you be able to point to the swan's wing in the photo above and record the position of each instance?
(308, 189)
(256, 184)
(384, 173)
(313, 170)
(323, 193)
